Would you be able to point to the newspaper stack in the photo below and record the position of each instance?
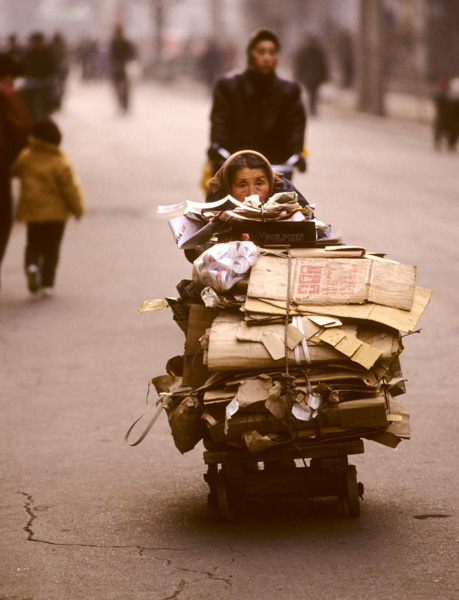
(304, 346)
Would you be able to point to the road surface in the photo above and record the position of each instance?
(83, 516)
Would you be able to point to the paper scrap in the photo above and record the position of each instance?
(302, 412)
(153, 305)
(230, 410)
(274, 345)
(170, 208)
(253, 390)
(256, 442)
(359, 352)
(294, 337)
(325, 321)
(277, 406)
(314, 401)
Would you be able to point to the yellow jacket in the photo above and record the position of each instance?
(49, 189)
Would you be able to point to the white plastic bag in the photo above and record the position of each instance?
(221, 266)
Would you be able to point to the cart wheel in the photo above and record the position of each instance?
(211, 479)
(352, 489)
(222, 496)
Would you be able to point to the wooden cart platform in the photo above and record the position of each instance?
(233, 475)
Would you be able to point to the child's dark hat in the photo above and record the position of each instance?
(47, 130)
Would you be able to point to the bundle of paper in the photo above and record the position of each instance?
(201, 221)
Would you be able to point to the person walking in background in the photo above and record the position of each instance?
(14, 48)
(122, 51)
(256, 109)
(311, 69)
(62, 59)
(15, 126)
(345, 56)
(40, 71)
(212, 63)
(49, 195)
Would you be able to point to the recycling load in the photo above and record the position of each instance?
(339, 331)
(288, 344)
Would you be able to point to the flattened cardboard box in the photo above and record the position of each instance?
(325, 281)
(200, 318)
(226, 352)
(366, 412)
(403, 320)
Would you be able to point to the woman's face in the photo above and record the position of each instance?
(248, 182)
(265, 56)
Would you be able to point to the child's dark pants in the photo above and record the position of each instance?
(43, 244)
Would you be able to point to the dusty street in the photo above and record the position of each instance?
(82, 515)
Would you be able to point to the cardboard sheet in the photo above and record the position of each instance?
(358, 351)
(366, 412)
(403, 320)
(226, 352)
(194, 371)
(328, 281)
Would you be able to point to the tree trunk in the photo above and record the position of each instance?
(371, 57)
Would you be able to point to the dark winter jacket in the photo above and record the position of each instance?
(311, 67)
(15, 125)
(258, 112)
(40, 64)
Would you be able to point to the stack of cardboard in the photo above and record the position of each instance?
(312, 351)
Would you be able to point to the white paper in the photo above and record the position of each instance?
(314, 401)
(302, 412)
(231, 409)
(296, 216)
(170, 208)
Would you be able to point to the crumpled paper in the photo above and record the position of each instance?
(155, 305)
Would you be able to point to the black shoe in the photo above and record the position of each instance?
(33, 278)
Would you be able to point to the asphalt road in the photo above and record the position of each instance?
(83, 516)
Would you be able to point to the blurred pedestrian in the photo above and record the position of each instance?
(49, 195)
(446, 122)
(40, 71)
(345, 56)
(87, 55)
(212, 63)
(255, 109)
(14, 128)
(14, 48)
(122, 51)
(311, 69)
(62, 59)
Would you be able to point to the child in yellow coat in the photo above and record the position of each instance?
(49, 194)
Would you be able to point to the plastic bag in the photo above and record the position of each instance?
(221, 266)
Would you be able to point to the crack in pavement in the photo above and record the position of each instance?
(28, 528)
(29, 509)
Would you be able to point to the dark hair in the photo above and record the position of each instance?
(261, 35)
(47, 130)
(246, 161)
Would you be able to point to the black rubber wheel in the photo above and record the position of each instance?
(352, 489)
(222, 496)
(211, 479)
